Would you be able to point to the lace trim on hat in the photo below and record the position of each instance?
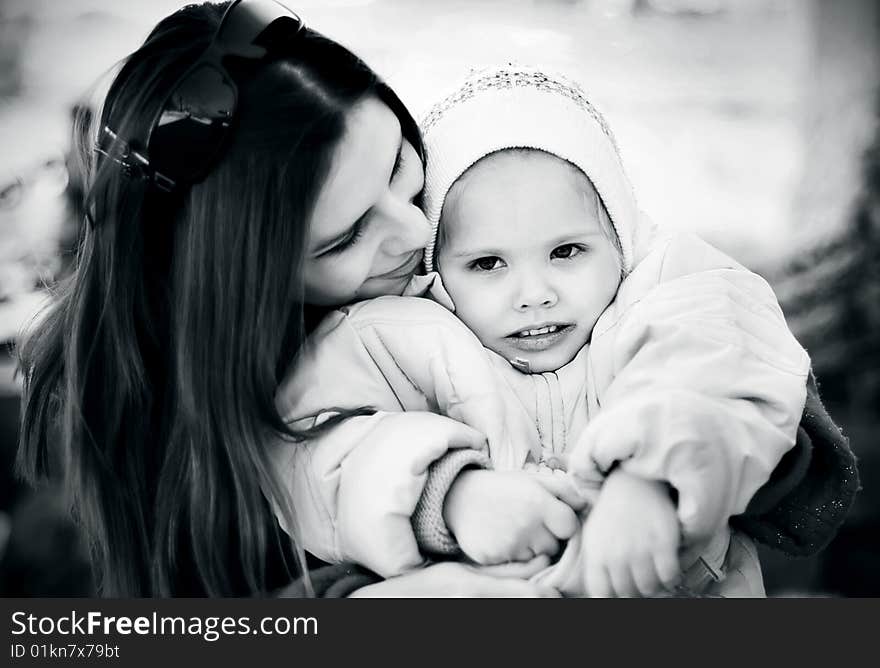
(508, 79)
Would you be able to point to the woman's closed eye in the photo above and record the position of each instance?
(354, 234)
(399, 161)
(567, 251)
(488, 263)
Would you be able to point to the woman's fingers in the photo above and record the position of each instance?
(512, 579)
(511, 587)
(515, 569)
(455, 579)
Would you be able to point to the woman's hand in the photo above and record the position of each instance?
(631, 539)
(500, 516)
(451, 579)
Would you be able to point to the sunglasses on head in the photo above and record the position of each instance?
(194, 124)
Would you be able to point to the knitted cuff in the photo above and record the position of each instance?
(432, 534)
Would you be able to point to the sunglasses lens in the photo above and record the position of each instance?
(193, 125)
(252, 27)
(196, 119)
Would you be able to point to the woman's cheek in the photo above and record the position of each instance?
(355, 272)
(346, 282)
(330, 284)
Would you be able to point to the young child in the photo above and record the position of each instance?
(649, 381)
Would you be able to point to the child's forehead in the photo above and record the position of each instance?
(513, 179)
(523, 162)
(529, 174)
(512, 202)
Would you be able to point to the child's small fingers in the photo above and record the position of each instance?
(645, 576)
(560, 519)
(668, 568)
(562, 487)
(597, 582)
(523, 553)
(545, 542)
(622, 581)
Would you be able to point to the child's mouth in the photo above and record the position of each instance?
(538, 338)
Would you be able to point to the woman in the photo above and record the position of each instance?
(225, 213)
(150, 383)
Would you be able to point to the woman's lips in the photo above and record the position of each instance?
(404, 269)
(539, 338)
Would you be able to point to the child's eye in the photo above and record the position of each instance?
(486, 263)
(567, 251)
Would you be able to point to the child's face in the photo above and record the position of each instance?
(525, 258)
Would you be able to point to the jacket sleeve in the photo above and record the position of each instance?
(355, 486)
(400, 354)
(800, 509)
(708, 386)
(422, 349)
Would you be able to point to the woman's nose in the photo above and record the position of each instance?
(406, 228)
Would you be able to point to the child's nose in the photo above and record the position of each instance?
(535, 293)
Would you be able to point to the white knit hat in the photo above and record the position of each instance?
(523, 107)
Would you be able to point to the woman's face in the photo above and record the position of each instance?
(366, 236)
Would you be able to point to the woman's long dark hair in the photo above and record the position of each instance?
(150, 381)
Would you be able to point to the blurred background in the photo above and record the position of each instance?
(752, 122)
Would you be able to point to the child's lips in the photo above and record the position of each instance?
(539, 338)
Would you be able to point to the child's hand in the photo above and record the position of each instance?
(561, 485)
(631, 539)
(499, 516)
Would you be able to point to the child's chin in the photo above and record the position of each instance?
(546, 362)
(539, 362)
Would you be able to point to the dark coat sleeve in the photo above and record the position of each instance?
(800, 509)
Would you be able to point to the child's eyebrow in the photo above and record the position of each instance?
(560, 240)
(572, 237)
(471, 253)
